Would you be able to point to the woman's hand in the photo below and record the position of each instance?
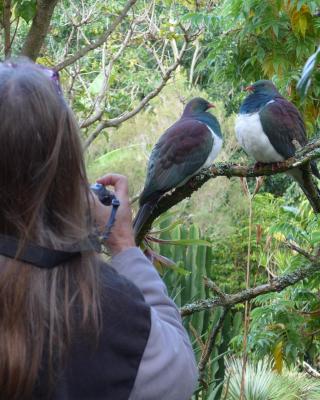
(121, 235)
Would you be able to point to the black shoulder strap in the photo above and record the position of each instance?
(39, 256)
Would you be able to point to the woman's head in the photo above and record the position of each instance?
(43, 198)
(42, 179)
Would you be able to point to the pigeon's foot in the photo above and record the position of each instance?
(192, 184)
(259, 165)
(274, 165)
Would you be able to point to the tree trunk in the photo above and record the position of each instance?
(39, 28)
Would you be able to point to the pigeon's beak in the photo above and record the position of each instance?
(249, 88)
(210, 105)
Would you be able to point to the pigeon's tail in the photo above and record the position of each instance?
(142, 216)
(314, 199)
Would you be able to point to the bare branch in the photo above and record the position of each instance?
(311, 371)
(210, 343)
(309, 188)
(84, 36)
(299, 250)
(196, 335)
(39, 28)
(276, 285)
(158, 60)
(84, 18)
(98, 109)
(194, 61)
(98, 42)
(119, 120)
(84, 84)
(212, 286)
(309, 152)
(69, 41)
(15, 31)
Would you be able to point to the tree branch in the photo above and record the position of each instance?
(119, 120)
(14, 32)
(6, 27)
(209, 344)
(311, 371)
(98, 109)
(98, 42)
(299, 250)
(39, 28)
(212, 286)
(309, 188)
(309, 152)
(194, 61)
(276, 285)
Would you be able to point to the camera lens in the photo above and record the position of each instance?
(104, 195)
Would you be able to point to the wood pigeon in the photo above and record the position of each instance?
(270, 128)
(189, 145)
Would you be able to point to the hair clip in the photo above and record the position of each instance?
(50, 73)
(53, 75)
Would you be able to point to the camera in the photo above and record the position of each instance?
(105, 196)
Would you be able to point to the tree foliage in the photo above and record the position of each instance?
(127, 68)
(252, 40)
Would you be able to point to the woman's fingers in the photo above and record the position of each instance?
(121, 236)
(119, 182)
(100, 212)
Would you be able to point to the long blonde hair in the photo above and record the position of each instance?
(44, 199)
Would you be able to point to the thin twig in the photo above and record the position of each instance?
(98, 42)
(212, 286)
(15, 31)
(119, 120)
(299, 250)
(98, 109)
(247, 303)
(311, 371)
(210, 343)
(196, 336)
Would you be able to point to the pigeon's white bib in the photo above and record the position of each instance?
(254, 141)
(217, 144)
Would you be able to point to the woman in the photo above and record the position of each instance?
(71, 326)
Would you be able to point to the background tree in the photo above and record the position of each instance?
(113, 58)
(127, 68)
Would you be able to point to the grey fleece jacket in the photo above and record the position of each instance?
(168, 369)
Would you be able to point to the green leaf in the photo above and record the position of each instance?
(106, 163)
(164, 217)
(303, 23)
(25, 9)
(315, 238)
(214, 393)
(275, 28)
(184, 242)
(167, 228)
(97, 83)
(300, 4)
(261, 54)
